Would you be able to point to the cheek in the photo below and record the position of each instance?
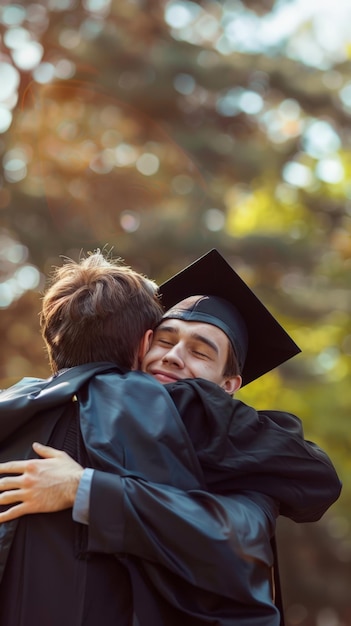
(146, 360)
(210, 372)
(155, 353)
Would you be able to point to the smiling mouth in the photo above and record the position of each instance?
(165, 377)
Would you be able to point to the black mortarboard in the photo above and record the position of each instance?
(259, 341)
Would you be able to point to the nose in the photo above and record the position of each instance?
(173, 357)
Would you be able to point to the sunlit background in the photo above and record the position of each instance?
(159, 130)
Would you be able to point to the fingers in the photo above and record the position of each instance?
(10, 482)
(19, 467)
(39, 485)
(46, 452)
(13, 467)
(15, 511)
(10, 497)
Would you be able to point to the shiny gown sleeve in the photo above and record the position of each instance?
(200, 556)
(214, 542)
(204, 556)
(149, 501)
(265, 451)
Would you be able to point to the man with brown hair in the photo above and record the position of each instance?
(186, 553)
(87, 314)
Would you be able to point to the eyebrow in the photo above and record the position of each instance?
(205, 340)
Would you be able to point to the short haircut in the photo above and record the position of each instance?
(231, 367)
(97, 309)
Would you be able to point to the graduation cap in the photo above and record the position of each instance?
(259, 341)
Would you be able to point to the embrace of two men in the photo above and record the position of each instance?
(154, 499)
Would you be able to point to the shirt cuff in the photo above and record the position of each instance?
(82, 502)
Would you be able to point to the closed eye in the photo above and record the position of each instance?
(203, 355)
(164, 342)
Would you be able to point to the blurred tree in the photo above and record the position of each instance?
(162, 129)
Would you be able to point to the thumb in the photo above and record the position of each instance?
(45, 451)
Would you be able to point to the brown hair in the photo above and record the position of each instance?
(231, 367)
(97, 310)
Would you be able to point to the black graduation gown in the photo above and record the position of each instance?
(50, 579)
(167, 576)
(240, 448)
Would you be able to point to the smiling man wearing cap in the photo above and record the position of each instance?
(184, 348)
(259, 341)
(228, 337)
(191, 554)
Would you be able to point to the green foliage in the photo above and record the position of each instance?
(162, 141)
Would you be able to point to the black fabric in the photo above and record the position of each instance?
(144, 440)
(50, 579)
(218, 574)
(240, 448)
(277, 589)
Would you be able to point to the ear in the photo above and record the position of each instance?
(144, 345)
(232, 384)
